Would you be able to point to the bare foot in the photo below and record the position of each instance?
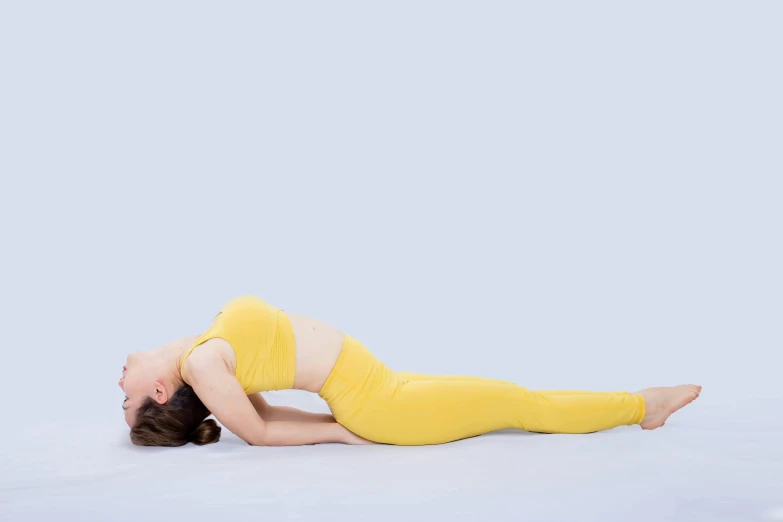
(662, 402)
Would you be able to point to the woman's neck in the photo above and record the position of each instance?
(171, 356)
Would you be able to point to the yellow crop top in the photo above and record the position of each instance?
(262, 339)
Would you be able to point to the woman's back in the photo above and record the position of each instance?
(270, 349)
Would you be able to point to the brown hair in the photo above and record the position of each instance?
(175, 423)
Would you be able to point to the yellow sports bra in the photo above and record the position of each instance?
(262, 339)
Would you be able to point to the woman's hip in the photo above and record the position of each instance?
(357, 378)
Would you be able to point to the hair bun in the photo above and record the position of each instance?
(206, 433)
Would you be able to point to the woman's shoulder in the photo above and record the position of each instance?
(213, 355)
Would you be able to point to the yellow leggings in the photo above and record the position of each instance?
(402, 408)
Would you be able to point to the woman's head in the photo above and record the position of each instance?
(160, 409)
(174, 423)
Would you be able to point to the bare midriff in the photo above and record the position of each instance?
(318, 346)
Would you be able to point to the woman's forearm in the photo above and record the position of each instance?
(287, 433)
(285, 413)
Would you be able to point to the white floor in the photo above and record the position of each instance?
(712, 462)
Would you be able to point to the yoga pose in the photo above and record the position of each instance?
(253, 347)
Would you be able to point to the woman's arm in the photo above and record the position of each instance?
(222, 394)
(284, 413)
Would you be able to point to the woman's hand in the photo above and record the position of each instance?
(353, 439)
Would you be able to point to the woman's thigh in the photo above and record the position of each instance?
(433, 411)
(408, 376)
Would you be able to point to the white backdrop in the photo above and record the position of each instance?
(564, 195)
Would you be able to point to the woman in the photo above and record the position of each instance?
(253, 347)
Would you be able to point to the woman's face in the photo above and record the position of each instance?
(137, 382)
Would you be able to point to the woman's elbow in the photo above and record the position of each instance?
(259, 437)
